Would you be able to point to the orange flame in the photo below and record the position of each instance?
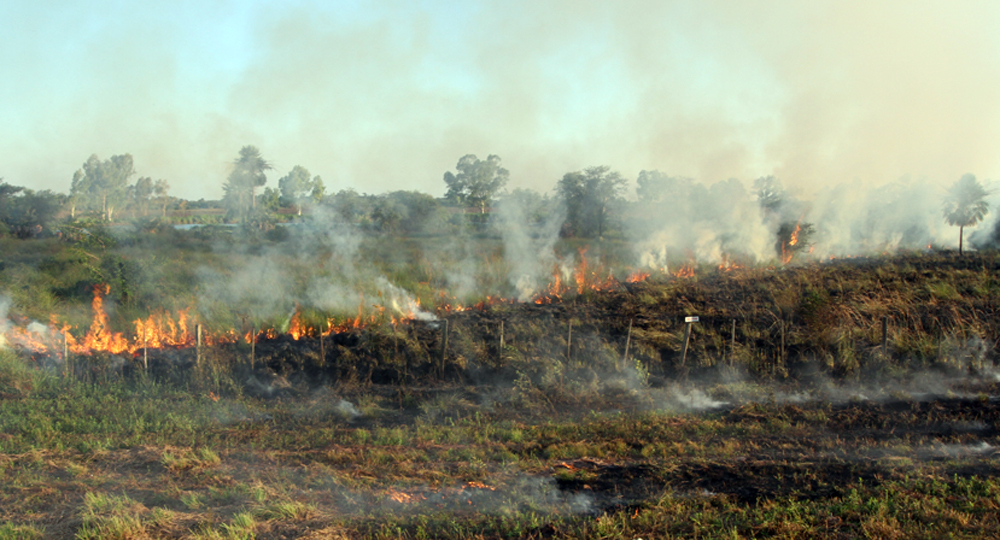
(637, 276)
(295, 328)
(686, 271)
(786, 249)
(728, 264)
(580, 274)
(405, 498)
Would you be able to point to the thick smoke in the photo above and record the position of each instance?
(680, 219)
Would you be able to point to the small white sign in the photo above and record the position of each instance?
(690, 319)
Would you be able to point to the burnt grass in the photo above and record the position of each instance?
(853, 398)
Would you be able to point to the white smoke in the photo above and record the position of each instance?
(529, 242)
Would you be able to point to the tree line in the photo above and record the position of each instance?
(593, 200)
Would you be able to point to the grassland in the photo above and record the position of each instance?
(138, 459)
(802, 420)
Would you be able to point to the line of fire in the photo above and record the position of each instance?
(164, 330)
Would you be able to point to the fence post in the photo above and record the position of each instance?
(444, 347)
(628, 340)
(322, 347)
(732, 345)
(687, 339)
(197, 345)
(67, 368)
(569, 342)
(885, 335)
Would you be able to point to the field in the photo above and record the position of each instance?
(843, 399)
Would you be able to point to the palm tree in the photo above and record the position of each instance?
(240, 187)
(965, 205)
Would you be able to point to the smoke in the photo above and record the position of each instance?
(518, 494)
(5, 303)
(401, 302)
(386, 97)
(529, 242)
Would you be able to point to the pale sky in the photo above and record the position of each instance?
(381, 95)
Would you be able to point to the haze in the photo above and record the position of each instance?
(380, 96)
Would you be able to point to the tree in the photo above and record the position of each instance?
(102, 185)
(269, 201)
(352, 207)
(318, 189)
(296, 187)
(141, 193)
(388, 214)
(590, 197)
(770, 193)
(477, 181)
(965, 205)
(240, 188)
(655, 187)
(160, 189)
(30, 213)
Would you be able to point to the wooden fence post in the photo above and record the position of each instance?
(732, 345)
(885, 335)
(628, 341)
(322, 347)
(687, 339)
(444, 347)
(569, 342)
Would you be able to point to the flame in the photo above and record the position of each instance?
(99, 337)
(164, 330)
(637, 276)
(728, 264)
(405, 498)
(686, 271)
(580, 274)
(295, 328)
(786, 249)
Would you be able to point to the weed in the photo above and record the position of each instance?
(111, 517)
(9, 531)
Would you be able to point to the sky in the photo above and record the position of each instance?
(379, 96)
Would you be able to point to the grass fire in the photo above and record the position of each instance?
(396, 403)
(196, 346)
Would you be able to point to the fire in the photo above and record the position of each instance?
(728, 264)
(795, 234)
(786, 249)
(637, 276)
(99, 337)
(405, 498)
(686, 271)
(580, 274)
(295, 328)
(161, 330)
(555, 290)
